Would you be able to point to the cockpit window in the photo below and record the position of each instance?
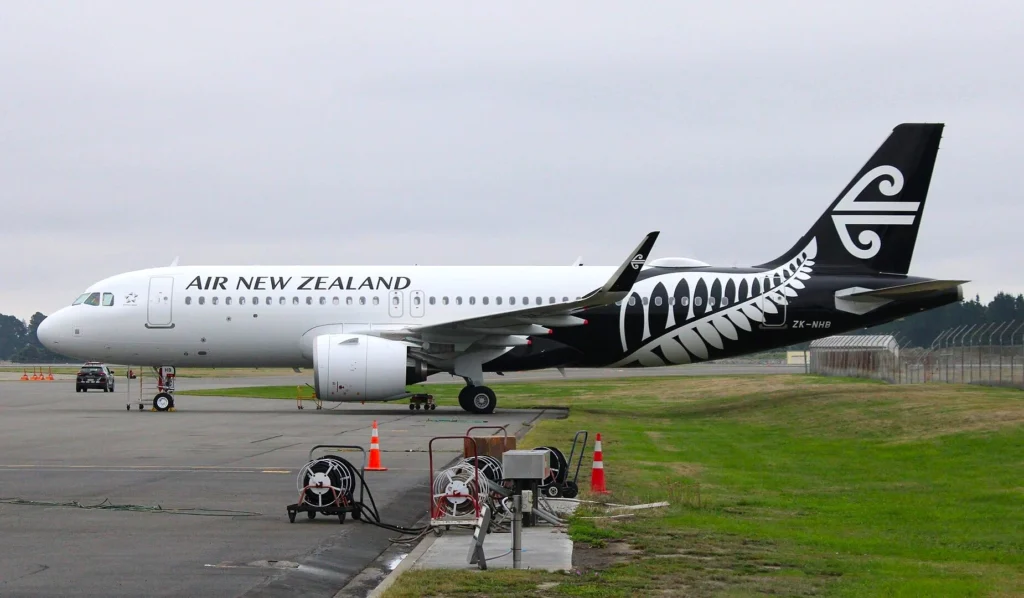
(94, 299)
(81, 298)
(108, 299)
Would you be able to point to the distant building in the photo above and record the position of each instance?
(856, 355)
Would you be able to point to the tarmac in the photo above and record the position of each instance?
(150, 471)
(242, 455)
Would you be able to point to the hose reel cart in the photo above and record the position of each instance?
(327, 485)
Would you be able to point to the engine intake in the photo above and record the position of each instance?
(357, 367)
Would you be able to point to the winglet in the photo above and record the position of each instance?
(629, 271)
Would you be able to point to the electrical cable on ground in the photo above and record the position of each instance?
(107, 506)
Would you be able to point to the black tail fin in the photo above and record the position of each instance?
(872, 225)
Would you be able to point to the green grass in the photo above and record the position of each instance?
(784, 485)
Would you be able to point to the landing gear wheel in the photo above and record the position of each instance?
(412, 406)
(479, 399)
(163, 402)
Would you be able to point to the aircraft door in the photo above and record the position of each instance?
(160, 292)
(416, 309)
(775, 305)
(395, 307)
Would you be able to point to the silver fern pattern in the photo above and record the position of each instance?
(678, 317)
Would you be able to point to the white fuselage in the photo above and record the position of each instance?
(267, 316)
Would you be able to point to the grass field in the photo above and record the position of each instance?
(788, 485)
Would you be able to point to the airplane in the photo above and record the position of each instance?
(370, 331)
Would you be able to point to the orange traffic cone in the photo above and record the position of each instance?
(375, 451)
(50, 376)
(597, 472)
(24, 374)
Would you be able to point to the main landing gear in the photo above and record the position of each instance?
(477, 399)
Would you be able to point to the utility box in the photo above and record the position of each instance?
(524, 465)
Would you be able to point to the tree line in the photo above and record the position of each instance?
(18, 341)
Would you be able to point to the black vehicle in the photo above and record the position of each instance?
(94, 375)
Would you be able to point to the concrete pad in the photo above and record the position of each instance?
(543, 547)
(243, 455)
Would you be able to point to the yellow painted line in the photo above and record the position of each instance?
(275, 471)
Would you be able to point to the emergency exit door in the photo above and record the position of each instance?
(395, 301)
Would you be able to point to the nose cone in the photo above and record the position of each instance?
(47, 333)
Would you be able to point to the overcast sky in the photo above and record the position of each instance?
(478, 133)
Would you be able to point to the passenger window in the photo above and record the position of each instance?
(213, 300)
(295, 300)
(458, 301)
(485, 300)
(657, 301)
(108, 299)
(565, 299)
(497, 300)
(348, 301)
(432, 300)
(94, 299)
(511, 300)
(188, 301)
(241, 300)
(202, 300)
(394, 300)
(309, 300)
(255, 300)
(376, 300)
(526, 300)
(684, 301)
(697, 301)
(551, 299)
(323, 300)
(472, 300)
(362, 301)
(336, 301)
(725, 301)
(645, 300)
(632, 300)
(444, 301)
(711, 301)
(540, 301)
(227, 301)
(282, 301)
(416, 300)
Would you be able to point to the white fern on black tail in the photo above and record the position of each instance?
(694, 331)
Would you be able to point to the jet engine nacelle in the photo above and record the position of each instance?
(357, 367)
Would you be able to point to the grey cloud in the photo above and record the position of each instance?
(259, 132)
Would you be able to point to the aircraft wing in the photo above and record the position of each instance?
(510, 328)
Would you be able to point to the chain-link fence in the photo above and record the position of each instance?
(991, 353)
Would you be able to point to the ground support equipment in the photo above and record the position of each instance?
(327, 484)
(558, 484)
(422, 401)
(456, 492)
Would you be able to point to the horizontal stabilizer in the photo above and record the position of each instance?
(905, 291)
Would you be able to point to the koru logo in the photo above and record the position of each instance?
(870, 242)
(637, 261)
